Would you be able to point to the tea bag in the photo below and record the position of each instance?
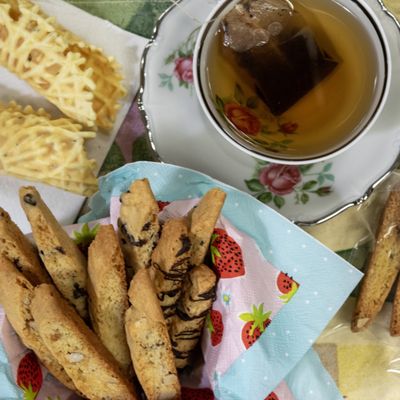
(275, 45)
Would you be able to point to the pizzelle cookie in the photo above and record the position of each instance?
(16, 248)
(88, 363)
(59, 253)
(77, 77)
(34, 146)
(16, 294)
(108, 294)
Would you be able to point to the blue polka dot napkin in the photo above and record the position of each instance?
(313, 281)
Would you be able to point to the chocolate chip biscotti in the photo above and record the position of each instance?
(170, 262)
(89, 364)
(59, 253)
(17, 248)
(138, 224)
(202, 220)
(198, 294)
(108, 294)
(16, 293)
(149, 343)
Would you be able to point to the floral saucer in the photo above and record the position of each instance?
(181, 134)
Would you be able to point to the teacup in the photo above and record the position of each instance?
(256, 90)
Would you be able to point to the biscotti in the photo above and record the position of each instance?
(108, 294)
(16, 293)
(202, 223)
(198, 294)
(138, 224)
(149, 342)
(17, 248)
(88, 363)
(383, 266)
(59, 253)
(395, 319)
(170, 262)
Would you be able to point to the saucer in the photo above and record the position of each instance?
(181, 134)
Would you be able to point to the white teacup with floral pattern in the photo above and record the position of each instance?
(326, 119)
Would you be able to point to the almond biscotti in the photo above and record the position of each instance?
(89, 364)
(17, 248)
(198, 294)
(149, 343)
(202, 223)
(383, 266)
(108, 294)
(59, 253)
(170, 262)
(16, 293)
(138, 224)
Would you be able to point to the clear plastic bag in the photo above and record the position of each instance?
(365, 364)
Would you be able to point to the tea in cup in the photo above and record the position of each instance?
(295, 81)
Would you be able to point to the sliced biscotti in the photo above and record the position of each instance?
(170, 262)
(202, 223)
(59, 253)
(138, 224)
(383, 266)
(198, 294)
(17, 248)
(88, 363)
(149, 342)
(395, 320)
(16, 293)
(108, 294)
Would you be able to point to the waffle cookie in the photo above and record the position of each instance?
(36, 147)
(75, 76)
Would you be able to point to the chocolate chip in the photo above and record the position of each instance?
(146, 226)
(17, 264)
(60, 249)
(130, 238)
(185, 245)
(29, 199)
(78, 291)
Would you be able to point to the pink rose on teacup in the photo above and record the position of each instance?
(280, 179)
(242, 118)
(184, 69)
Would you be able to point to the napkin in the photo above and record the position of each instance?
(324, 279)
(127, 49)
(273, 250)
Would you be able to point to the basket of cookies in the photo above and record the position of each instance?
(173, 286)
